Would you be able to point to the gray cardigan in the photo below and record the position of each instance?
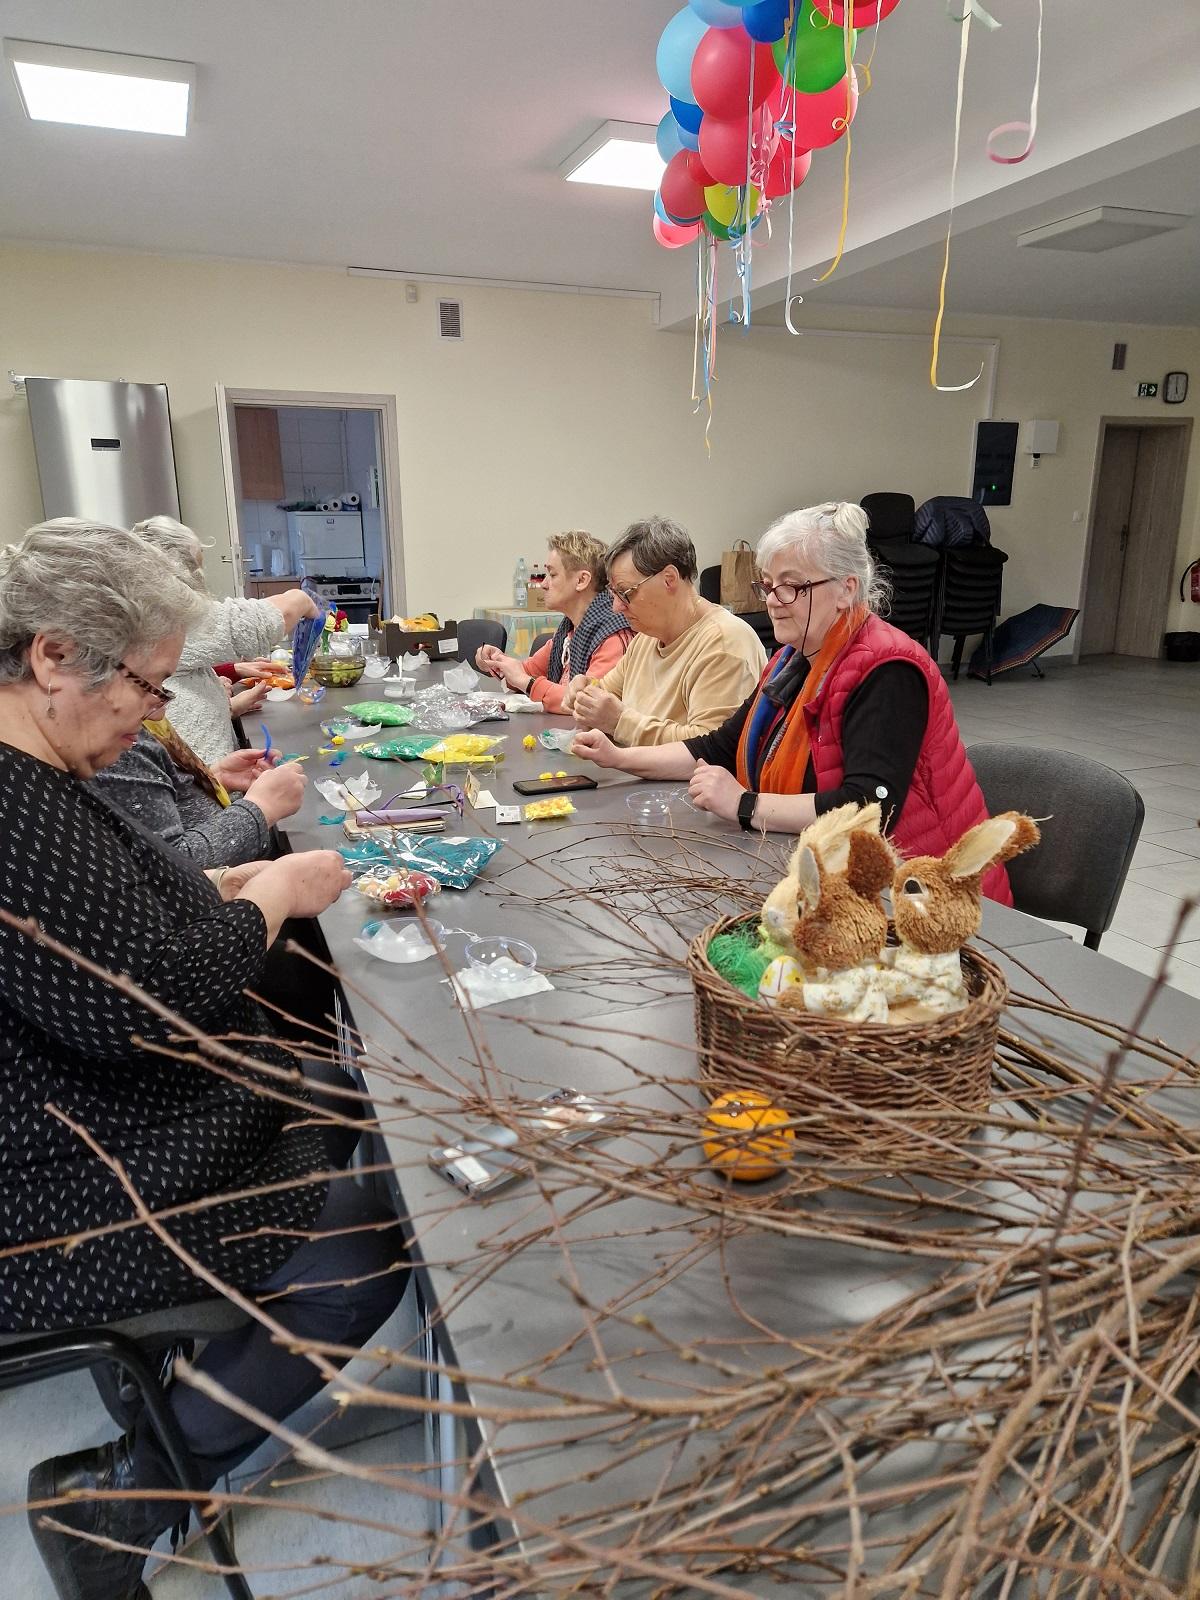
(146, 785)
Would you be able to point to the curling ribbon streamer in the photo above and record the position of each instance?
(974, 9)
(848, 40)
(1028, 128)
(952, 388)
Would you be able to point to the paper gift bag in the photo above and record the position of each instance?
(738, 572)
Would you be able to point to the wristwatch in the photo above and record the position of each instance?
(745, 811)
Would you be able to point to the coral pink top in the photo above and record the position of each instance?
(550, 681)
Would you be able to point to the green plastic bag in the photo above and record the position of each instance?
(409, 747)
(385, 713)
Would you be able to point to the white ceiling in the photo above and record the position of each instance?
(419, 135)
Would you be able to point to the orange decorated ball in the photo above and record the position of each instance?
(746, 1160)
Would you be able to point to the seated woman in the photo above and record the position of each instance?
(226, 630)
(849, 709)
(92, 619)
(218, 816)
(590, 640)
(691, 663)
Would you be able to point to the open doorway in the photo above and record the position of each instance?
(1137, 499)
(311, 490)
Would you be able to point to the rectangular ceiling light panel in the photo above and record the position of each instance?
(1101, 228)
(622, 155)
(98, 89)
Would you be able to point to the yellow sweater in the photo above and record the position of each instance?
(676, 691)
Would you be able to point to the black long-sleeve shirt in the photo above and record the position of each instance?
(882, 728)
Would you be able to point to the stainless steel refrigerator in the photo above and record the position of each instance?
(104, 450)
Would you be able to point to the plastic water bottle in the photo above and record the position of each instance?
(521, 585)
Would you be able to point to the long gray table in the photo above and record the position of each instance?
(618, 1022)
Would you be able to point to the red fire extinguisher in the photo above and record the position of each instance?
(1190, 581)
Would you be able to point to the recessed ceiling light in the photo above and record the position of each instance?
(98, 89)
(1101, 228)
(620, 154)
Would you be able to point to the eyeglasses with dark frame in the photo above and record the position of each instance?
(626, 595)
(786, 594)
(163, 696)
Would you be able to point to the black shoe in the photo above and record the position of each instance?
(78, 1568)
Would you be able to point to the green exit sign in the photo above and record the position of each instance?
(1147, 391)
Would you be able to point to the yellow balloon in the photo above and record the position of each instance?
(721, 201)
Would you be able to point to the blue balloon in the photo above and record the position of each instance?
(687, 114)
(675, 51)
(717, 14)
(667, 138)
(766, 20)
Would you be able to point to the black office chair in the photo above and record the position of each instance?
(539, 641)
(710, 584)
(1093, 821)
(891, 515)
(969, 600)
(760, 621)
(476, 631)
(135, 1346)
(913, 570)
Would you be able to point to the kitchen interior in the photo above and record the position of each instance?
(310, 504)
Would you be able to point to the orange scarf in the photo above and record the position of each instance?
(783, 770)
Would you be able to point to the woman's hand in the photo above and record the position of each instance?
(595, 746)
(279, 792)
(577, 683)
(494, 662)
(255, 671)
(239, 770)
(594, 707)
(294, 604)
(247, 700)
(716, 790)
(235, 879)
(314, 879)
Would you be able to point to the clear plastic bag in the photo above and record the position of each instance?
(455, 863)
(461, 679)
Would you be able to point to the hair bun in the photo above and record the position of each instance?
(849, 519)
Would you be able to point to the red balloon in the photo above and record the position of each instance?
(866, 12)
(721, 72)
(674, 235)
(821, 119)
(682, 187)
(781, 177)
(723, 146)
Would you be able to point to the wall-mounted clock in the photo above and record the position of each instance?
(1175, 386)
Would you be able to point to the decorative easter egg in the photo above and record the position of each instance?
(747, 1160)
(783, 974)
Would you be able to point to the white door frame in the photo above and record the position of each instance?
(389, 437)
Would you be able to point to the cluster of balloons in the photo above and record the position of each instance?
(754, 90)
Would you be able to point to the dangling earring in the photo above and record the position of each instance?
(51, 713)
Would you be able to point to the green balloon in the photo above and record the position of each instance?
(717, 229)
(820, 59)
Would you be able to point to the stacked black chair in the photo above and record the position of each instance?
(969, 603)
(710, 585)
(913, 571)
(890, 515)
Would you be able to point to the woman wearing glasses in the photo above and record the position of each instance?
(848, 709)
(92, 619)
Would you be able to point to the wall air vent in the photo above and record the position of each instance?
(450, 319)
(1101, 228)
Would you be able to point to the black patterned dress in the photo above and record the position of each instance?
(106, 889)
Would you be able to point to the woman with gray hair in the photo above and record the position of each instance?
(227, 630)
(101, 928)
(849, 709)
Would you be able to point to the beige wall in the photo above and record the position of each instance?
(562, 410)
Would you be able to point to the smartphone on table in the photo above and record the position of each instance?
(497, 1157)
(564, 785)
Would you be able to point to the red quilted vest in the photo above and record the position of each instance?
(943, 799)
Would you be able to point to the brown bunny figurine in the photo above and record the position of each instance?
(838, 933)
(936, 908)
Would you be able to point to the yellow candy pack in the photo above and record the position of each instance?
(545, 810)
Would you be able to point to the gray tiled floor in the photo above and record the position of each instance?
(1141, 717)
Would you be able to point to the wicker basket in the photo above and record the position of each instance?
(920, 1077)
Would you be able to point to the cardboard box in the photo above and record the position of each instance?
(396, 641)
(535, 598)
